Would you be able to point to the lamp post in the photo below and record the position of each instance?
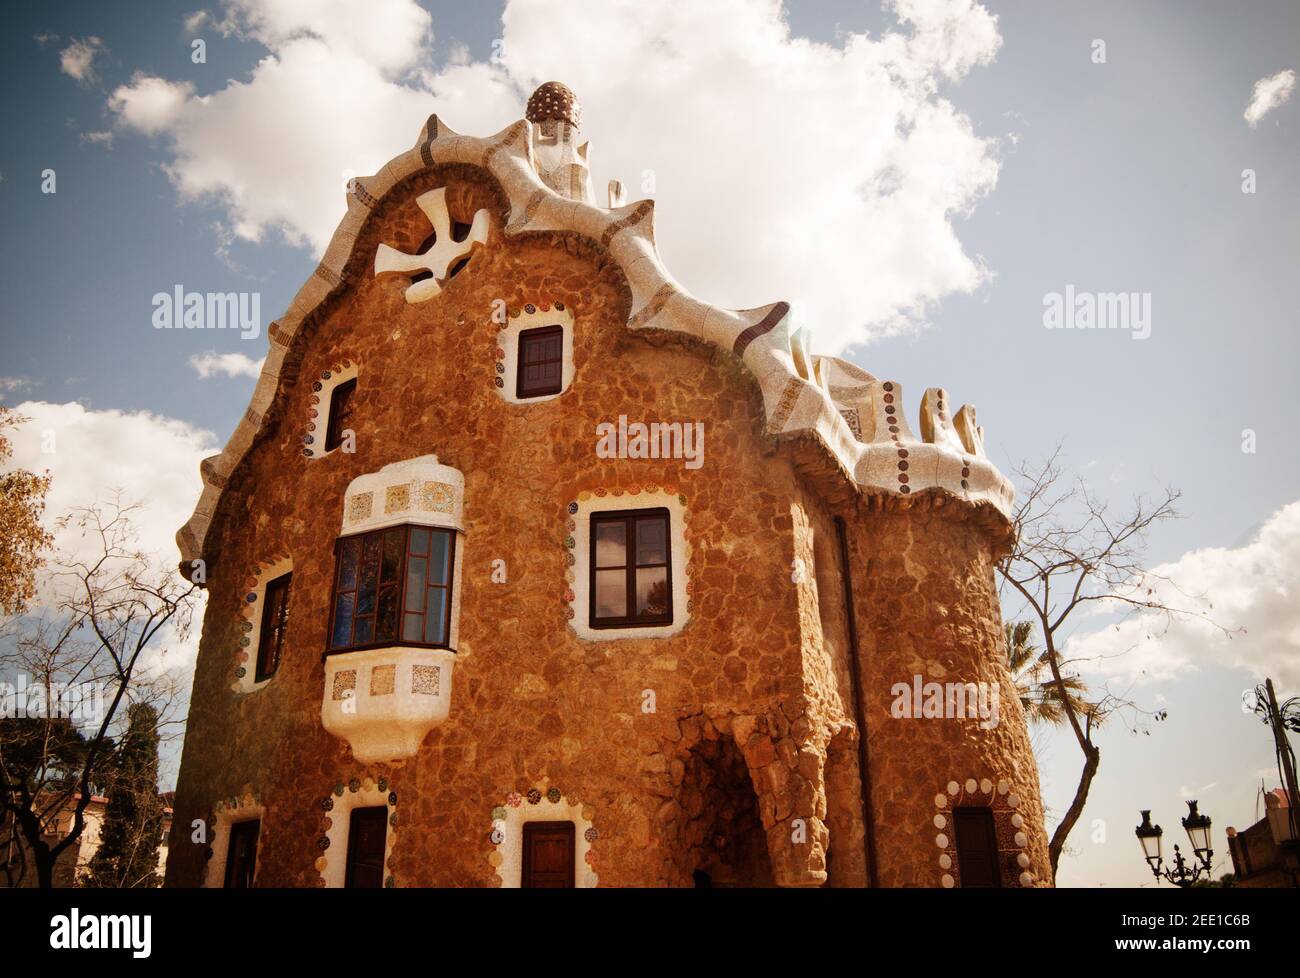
(1184, 873)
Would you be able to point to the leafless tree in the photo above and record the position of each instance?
(1071, 552)
(104, 612)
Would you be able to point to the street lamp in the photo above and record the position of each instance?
(1198, 830)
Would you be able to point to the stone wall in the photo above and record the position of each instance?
(927, 606)
(758, 681)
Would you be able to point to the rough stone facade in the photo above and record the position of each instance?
(730, 749)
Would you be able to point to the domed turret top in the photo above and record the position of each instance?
(554, 100)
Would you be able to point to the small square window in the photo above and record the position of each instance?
(631, 569)
(340, 413)
(541, 362)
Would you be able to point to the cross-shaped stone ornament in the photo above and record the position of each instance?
(442, 254)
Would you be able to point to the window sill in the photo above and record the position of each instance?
(395, 644)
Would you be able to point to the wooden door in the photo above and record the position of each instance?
(548, 855)
(367, 836)
(977, 847)
(241, 854)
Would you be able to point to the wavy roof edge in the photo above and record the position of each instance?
(858, 419)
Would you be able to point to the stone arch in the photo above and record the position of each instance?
(714, 830)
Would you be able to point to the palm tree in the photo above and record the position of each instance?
(1032, 674)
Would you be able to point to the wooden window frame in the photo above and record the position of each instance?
(988, 823)
(398, 639)
(539, 333)
(344, 391)
(241, 828)
(272, 631)
(629, 518)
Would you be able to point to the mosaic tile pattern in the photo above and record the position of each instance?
(437, 497)
(426, 680)
(361, 506)
(397, 499)
(345, 683)
(383, 680)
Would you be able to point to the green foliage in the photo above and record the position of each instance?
(1031, 671)
(133, 821)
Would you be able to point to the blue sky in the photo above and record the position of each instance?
(1119, 176)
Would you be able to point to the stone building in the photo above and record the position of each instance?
(526, 567)
(18, 869)
(1267, 853)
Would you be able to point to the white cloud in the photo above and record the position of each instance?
(77, 60)
(151, 458)
(828, 175)
(151, 105)
(212, 364)
(11, 384)
(1268, 94)
(1255, 588)
(196, 21)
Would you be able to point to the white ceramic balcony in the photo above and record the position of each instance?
(384, 701)
(383, 697)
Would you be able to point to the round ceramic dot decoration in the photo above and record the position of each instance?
(948, 882)
(953, 787)
(1022, 861)
(945, 861)
(941, 841)
(1017, 820)
(1013, 800)
(1022, 840)
(1003, 787)
(971, 785)
(986, 786)
(940, 822)
(940, 801)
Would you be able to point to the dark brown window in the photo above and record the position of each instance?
(393, 586)
(548, 855)
(367, 836)
(340, 413)
(541, 362)
(977, 847)
(275, 619)
(631, 569)
(241, 855)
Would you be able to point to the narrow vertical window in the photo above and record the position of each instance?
(340, 413)
(275, 620)
(541, 362)
(241, 854)
(977, 847)
(631, 569)
(367, 837)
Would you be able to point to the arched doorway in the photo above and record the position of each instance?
(720, 840)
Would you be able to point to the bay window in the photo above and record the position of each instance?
(393, 587)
